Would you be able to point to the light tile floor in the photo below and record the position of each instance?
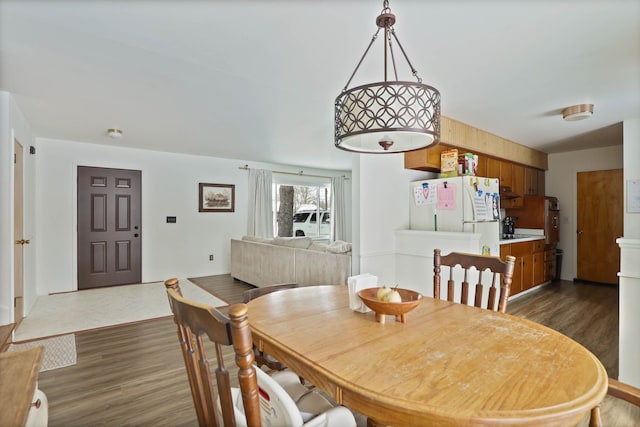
(59, 314)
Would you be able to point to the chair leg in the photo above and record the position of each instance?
(595, 421)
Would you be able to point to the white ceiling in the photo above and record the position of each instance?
(256, 80)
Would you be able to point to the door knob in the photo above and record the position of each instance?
(580, 231)
(23, 242)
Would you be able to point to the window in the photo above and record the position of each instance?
(298, 203)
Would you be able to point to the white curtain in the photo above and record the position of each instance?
(260, 223)
(338, 212)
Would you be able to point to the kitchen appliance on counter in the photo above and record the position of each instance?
(539, 212)
(508, 227)
(468, 204)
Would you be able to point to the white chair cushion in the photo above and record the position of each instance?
(278, 395)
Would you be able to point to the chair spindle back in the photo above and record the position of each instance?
(481, 263)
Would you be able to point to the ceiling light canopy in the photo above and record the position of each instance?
(577, 112)
(114, 133)
(391, 116)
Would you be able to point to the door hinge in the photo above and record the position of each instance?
(15, 158)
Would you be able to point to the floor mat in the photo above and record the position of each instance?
(59, 352)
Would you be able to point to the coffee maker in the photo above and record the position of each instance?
(508, 227)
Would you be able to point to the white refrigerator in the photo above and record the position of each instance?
(467, 204)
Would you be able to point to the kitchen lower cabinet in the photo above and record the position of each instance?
(529, 269)
(516, 280)
(549, 264)
(538, 262)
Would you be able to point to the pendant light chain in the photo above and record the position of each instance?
(373, 39)
(414, 72)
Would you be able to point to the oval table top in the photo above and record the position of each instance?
(450, 364)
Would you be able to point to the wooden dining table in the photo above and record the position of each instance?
(448, 365)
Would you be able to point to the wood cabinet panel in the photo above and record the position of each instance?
(516, 281)
(549, 264)
(542, 182)
(522, 248)
(538, 268)
(527, 272)
(427, 159)
(538, 245)
(482, 166)
(531, 181)
(531, 265)
(493, 168)
(517, 186)
(506, 173)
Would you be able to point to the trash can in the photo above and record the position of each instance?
(558, 263)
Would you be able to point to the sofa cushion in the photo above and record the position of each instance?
(293, 242)
(339, 247)
(257, 239)
(319, 247)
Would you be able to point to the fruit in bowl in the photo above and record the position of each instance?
(388, 294)
(390, 301)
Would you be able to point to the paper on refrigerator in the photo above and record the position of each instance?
(356, 284)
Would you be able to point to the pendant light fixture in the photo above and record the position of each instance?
(391, 116)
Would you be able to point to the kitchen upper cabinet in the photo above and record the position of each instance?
(427, 159)
(531, 181)
(523, 180)
(493, 168)
(482, 166)
(534, 181)
(517, 186)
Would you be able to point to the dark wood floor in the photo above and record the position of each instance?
(134, 374)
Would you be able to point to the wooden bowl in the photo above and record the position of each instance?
(410, 300)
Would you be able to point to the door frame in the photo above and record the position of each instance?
(18, 259)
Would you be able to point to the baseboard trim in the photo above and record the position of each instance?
(590, 282)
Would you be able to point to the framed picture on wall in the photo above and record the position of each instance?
(216, 197)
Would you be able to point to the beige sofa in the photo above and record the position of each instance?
(265, 262)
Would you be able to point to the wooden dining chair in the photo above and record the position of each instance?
(480, 263)
(618, 390)
(196, 321)
(261, 399)
(262, 358)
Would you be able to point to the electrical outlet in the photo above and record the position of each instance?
(211, 257)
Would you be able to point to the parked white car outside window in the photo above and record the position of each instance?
(305, 223)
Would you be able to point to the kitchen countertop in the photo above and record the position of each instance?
(524, 235)
(524, 238)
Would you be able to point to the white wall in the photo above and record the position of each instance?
(169, 188)
(6, 213)
(13, 126)
(561, 182)
(631, 135)
(382, 199)
(629, 350)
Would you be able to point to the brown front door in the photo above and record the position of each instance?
(109, 239)
(600, 216)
